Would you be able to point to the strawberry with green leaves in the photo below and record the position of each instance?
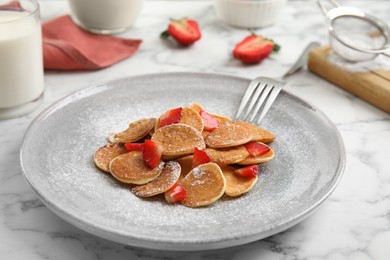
(184, 31)
(254, 49)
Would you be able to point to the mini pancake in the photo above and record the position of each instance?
(228, 155)
(168, 177)
(235, 184)
(204, 185)
(106, 153)
(186, 166)
(178, 139)
(188, 117)
(166, 158)
(131, 168)
(136, 131)
(259, 134)
(262, 135)
(232, 133)
(258, 159)
(221, 119)
(205, 134)
(196, 106)
(192, 118)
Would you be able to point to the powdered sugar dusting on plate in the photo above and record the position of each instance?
(306, 167)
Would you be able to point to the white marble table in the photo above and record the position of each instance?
(354, 223)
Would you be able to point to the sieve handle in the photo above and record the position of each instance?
(323, 8)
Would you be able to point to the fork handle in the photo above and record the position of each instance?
(301, 61)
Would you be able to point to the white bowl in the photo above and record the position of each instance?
(249, 13)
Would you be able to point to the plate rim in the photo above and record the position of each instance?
(147, 242)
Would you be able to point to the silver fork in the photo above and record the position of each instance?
(263, 91)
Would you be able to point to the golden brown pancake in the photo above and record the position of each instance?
(221, 119)
(262, 135)
(205, 133)
(106, 153)
(168, 177)
(136, 131)
(186, 166)
(166, 158)
(235, 184)
(258, 159)
(196, 106)
(204, 185)
(178, 139)
(232, 133)
(192, 118)
(188, 117)
(228, 155)
(131, 168)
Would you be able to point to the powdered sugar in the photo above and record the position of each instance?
(198, 172)
(197, 182)
(379, 63)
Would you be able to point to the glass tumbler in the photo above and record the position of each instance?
(105, 16)
(21, 60)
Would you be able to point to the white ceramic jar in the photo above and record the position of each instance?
(105, 16)
(249, 13)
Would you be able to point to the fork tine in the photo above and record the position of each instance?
(247, 95)
(261, 101)
(255, 97)
(272, 96)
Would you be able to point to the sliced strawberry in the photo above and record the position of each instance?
(200, 157)
(210, 122)
(184, 31)
(175, 194)
(248, 172)
(172, 116)
(133, 147)
(256, 149)
(151, 153)
(254, 48)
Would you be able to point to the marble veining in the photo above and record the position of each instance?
(354, 223)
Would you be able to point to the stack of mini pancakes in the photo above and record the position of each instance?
(205, 183)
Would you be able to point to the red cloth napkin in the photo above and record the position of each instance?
(67, 47)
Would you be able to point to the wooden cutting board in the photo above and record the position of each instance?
(373, 86)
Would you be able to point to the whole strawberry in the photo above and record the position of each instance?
(184, 31)
(254, 49)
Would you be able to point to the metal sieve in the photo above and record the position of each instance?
(355, 34)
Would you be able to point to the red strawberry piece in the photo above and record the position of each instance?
(175, 194)
(184, 31)
(210, 122)
(254, 48)
(256, 149)
(172, 116)
(200, 157)
(248, 172)
(151, 153)
(133, 147)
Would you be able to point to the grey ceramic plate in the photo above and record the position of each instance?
(56, 158)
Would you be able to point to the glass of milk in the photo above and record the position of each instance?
(21, 60)
(105, 16)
